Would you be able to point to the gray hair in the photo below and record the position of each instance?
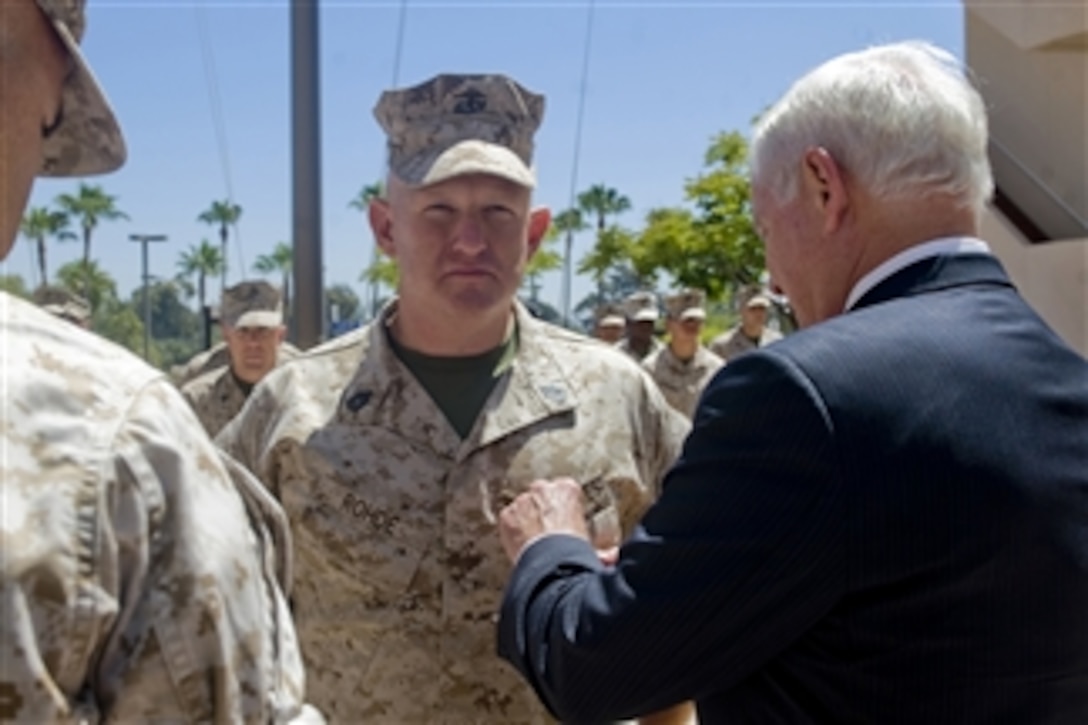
(903, 119)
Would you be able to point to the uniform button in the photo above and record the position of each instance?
(357, 401)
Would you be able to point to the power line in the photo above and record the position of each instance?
(574, 166)
(212, 84)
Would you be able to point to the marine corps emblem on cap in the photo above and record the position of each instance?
(689, 304)
(87, 139)
(641, 307)
(252, 304)
(453, 125)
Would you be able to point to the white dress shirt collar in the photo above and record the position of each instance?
(934, 248)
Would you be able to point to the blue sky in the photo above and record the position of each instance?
(664, 77)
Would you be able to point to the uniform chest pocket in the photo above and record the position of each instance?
(364, 523)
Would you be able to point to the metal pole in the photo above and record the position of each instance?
(306, 173)
(143, 239)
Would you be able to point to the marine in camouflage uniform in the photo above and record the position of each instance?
(640, 309)
(65, 304)
(683, 367)
(141, 571)
(609, 323)
(392, 494)
(252, 320)
(216, 358)
(751, 333)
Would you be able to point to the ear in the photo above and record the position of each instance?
(825, 186)
(380, 215)
(539, 221)
(281, 334)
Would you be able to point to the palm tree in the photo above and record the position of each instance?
(280, 260)
(41, 223)
(362, 202)
(602, 201)
(568, 223)
(223, 214)
(200, 261)
(90, 205)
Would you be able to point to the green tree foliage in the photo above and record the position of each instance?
(713, 246)
(222, 215)
(171, 318)
(41, 224)
(341, 300)
(618, 283)
(376, 272)
(199, 262)
(281, 262)
(545, 260)
(117, 321)
(89, 206)
(602, 202)
(613, 251)
(90, 281)
(14, 285)
(383, 271)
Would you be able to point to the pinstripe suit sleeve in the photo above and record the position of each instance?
(742, 553)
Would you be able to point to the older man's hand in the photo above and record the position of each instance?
(548, 507)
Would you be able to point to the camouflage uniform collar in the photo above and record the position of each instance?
(535, 387)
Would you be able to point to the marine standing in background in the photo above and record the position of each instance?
(751, 332)
(683, 367)
(252, 321)
(640, 309)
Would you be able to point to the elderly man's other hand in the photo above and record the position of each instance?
(548, 507)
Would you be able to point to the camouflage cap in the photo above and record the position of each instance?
(610, 315)
(87, 139)
(461, 124)
(641, 307)
(689, 304)
(758, 300)
(63, 303)
(253, 303)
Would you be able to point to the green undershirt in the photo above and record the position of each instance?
(459, 385)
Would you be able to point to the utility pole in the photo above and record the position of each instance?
(306, 173)
(143, 239)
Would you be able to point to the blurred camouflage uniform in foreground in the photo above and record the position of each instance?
(140, 571)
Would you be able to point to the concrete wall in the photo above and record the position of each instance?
(1053, 277)
(1030, 59)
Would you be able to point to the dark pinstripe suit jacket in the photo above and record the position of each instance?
(880, 519)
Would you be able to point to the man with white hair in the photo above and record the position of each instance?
(883, 517)
(141, 572)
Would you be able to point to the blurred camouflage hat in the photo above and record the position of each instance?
(251, 304)
(610, 315)
(758, 300)
(461, 124)
(689, 304)
(641, 307)
(87, 139)
(63, 303)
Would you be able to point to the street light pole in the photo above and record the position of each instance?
(306, 173)
(143, 239)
